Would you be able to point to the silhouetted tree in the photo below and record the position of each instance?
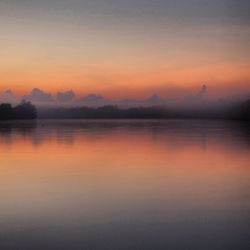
(242, 111)
(24, 110)
(5, 111)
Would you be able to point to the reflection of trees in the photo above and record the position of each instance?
(174, 132)
(10, 129)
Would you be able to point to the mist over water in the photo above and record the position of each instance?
(69, 182)
(199, 98)
(121, 184)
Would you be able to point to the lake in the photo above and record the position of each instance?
(121, 184)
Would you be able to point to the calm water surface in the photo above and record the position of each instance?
(124, 185)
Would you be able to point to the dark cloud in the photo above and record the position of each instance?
(65, 96)
(92, 98)
(202, 92)
(153, 99)
(8, 93)
(37, 95)
(9, 97)
(195, 98)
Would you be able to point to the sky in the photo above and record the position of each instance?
(125, 49)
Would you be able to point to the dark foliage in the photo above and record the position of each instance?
(239, 111)
(24, 110)
(105, 112)
(6, 111)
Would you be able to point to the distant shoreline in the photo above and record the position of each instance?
(27, 111)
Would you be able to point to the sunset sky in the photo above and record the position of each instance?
(124, 49)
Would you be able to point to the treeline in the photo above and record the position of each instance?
(24, 110)
(235, 112)
(105, 112)
(240, 111)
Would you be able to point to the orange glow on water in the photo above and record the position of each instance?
(77, 175)
(124, 163)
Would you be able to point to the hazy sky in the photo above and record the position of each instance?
(125, 48)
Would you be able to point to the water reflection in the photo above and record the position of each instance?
(65, 131)
(124, 185)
